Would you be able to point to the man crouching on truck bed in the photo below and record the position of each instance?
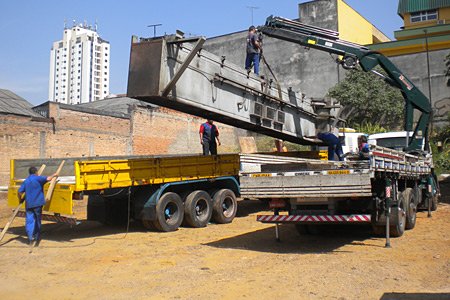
(34, 201)
(333, 143)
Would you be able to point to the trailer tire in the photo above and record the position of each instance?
(224, 206)
(169, 212)
(411, 208)
(398, 229)
(197, 209)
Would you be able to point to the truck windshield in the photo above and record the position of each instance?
(397, 143)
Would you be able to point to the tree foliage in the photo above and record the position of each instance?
(368, 99)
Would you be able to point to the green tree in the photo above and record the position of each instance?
(367, 99)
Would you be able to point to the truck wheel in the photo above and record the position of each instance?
(169, 212)
(398, 229)
(411, 208)
(197, 209)
(224, 206)
(434, 203)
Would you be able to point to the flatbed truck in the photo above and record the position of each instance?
(386, 190)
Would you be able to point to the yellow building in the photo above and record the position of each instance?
(355, 28)
(426, 28)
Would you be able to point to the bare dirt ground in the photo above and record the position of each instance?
(233, 261)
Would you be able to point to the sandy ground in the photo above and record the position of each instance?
(241, 260)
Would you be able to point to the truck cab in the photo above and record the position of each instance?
(393, 140)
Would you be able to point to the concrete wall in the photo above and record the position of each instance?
(311, 72)
(76, 134)
(415, 68)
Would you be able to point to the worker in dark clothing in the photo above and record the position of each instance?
(34, 201)
(253, 50)
(333, 143)
(208, 136)
(363, 148)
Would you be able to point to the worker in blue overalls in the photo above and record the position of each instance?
(208, 136)
(333, 143)
(34, 199)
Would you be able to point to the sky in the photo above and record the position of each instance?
(28, 29)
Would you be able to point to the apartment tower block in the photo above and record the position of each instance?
(79, 66)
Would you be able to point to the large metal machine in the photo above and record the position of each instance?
(353, 55)
(175, 72)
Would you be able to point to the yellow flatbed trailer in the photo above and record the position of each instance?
(140, 183)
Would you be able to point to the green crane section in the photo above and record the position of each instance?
(352, 55)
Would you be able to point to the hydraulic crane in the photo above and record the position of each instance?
(353, 55)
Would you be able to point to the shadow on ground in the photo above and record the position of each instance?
(329, 240)
(66, 233)
(415, 296)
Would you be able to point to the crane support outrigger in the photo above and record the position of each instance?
(352, 55)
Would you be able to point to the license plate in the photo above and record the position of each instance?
(261, 175)
(338, 172)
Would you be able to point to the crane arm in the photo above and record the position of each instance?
(353, 55)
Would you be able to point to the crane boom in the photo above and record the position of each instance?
(354, 54)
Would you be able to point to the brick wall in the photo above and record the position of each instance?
(164, 130)
(75, 134)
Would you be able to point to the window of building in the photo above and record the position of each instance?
(422, 16)
(78, 39)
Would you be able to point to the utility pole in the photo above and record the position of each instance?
(429, 96)
(252, 8)
(154, 28)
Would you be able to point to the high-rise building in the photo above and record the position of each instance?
(79, 66)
